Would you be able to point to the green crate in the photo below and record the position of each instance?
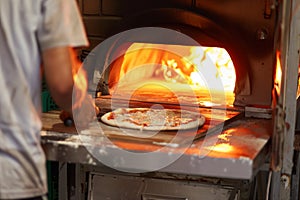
(52, 176)
(48, 103)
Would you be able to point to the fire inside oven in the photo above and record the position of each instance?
(164, 73)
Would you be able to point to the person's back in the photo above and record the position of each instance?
(30, 30)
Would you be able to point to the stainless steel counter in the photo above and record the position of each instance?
(238, 152)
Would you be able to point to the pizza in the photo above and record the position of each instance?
(153, 119)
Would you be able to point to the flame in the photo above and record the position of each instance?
(278, 72)
(80, 83)
(199, 67)
(81, 86)
(201, 61)
(224, 66)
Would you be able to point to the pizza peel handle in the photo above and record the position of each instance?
(66, 118)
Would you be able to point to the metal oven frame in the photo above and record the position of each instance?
(274, 178)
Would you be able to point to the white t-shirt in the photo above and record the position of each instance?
(26, 28)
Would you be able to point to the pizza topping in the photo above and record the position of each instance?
(111, 116)
(136, 123)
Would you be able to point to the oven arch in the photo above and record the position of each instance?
(201, 29)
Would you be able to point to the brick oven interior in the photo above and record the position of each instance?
(248, 34)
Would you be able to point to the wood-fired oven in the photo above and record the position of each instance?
(154, 52)
(247, 30)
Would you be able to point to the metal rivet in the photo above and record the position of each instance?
(286, 180)
(262, 34)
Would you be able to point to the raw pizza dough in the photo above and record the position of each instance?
(153, 119)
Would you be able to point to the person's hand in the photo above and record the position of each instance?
(86, 113)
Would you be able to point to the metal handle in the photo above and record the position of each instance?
(161, 197)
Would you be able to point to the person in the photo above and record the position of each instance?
(34, 33)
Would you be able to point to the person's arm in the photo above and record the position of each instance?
(59, 66)
(63, 76)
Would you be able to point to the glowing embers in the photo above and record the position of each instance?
(169, 72)
(222, 148)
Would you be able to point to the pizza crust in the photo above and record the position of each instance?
(153, 119)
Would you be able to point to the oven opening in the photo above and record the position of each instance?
(164, 73)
